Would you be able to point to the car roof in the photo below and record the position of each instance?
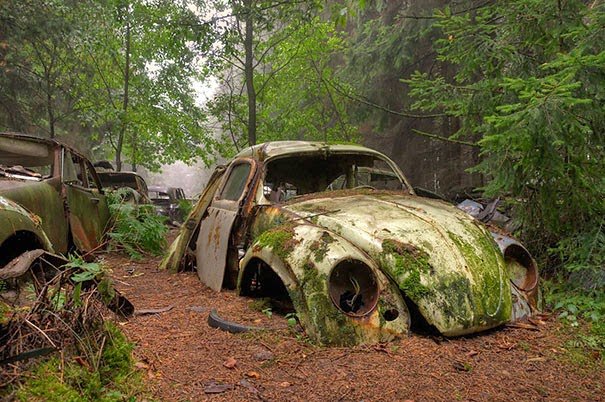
(274, 149)
(41, 140)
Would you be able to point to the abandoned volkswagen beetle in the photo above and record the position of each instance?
(338, 231)
(50, 199)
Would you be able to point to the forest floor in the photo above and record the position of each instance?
(185, 359)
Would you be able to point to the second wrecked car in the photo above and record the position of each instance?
(131, 185)
(50, 198)
(169, 202)
(338, 231)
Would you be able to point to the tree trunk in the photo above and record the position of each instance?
(125, 101)
(49, 108)
(249, 72)
(134, 151)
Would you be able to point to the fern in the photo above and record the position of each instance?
(136, 229)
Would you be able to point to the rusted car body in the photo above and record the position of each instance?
(137, 193)
(338, 231)
(168, 202)
(50, 198)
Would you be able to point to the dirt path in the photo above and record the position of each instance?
(185, 358)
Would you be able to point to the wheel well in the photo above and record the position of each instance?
(418, 324)
(17, 244)
(259, 280)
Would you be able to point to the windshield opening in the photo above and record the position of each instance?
(25, 160)
(289, 177)
(117, 180)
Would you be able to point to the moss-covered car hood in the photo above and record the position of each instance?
(444, 261)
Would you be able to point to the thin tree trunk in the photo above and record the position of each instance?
(249, 72)
(49, 108)
(48, 70)
(125, 101)
(134, 151)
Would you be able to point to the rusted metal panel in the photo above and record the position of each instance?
(45, 207)
(14, 218)
(85, 212)
(455, 275)
(211, 246)
(305, 264)
(215, 230)
(178, 249)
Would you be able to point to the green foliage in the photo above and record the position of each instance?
(81, 271)
(528, 87)
(64, 74)
(292, 69)
(136, 229)
(86, 271)
(185, 207)
(291, 319)
(113, 379)
(300, 101)
(582, 295)
(574, 305)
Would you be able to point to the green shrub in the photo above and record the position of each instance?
(136, 228)
(577, 292)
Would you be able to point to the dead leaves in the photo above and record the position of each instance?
(230, 363)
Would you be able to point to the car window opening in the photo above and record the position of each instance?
(29, 162)
(236, 182)
(293, 176)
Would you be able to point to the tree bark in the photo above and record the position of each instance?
(122, 133)
(249, 71)
(49, 108)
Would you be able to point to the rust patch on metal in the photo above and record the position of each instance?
(81, 238)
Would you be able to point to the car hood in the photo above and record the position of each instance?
(443, 260)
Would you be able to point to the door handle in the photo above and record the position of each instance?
(95, 200)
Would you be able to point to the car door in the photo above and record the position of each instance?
(86, 204)
(215, 229)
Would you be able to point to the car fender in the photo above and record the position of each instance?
(16, 219)
(526, 297)
(304, 257)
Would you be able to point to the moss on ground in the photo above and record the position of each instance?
(113, 379)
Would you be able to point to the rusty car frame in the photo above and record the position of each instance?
(338, 232)
(168, 202)
(50, 199)
(132, 186)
